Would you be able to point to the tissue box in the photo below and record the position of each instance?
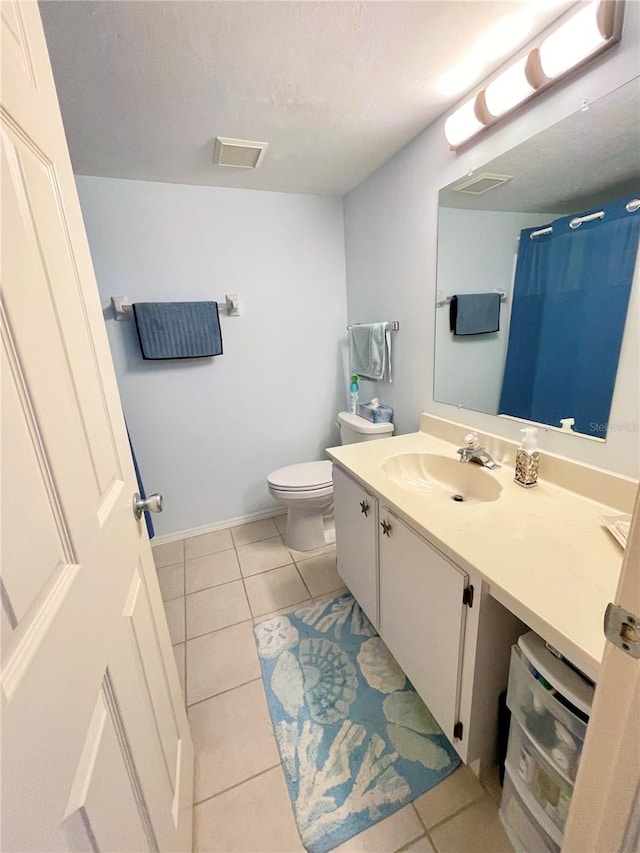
(379, 415)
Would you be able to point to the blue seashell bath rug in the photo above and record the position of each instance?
(356, 741)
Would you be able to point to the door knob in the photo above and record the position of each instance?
(386, 528)
(364, 508)
(154, 503)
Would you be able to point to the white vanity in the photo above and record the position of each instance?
(451, 584)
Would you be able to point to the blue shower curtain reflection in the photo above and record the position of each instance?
(570, 299)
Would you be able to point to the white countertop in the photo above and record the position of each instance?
(543, 551)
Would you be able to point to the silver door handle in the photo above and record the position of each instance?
(154, 503)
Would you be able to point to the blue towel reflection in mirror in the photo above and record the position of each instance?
(474, 313)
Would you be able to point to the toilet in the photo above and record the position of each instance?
(306, 489)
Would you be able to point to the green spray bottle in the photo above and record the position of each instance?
(353, 395)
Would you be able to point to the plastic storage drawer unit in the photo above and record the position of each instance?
(523, 829)
(537, 778)
(551, 702)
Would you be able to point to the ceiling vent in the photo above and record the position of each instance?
(482, 183)
(238, 152)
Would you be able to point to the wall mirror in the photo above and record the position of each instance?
(567, 292)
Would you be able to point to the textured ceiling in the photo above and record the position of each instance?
(335, 88)
(587, 159)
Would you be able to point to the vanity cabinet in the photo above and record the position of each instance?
(356, 519)
(451, 638)
(412, 595)
(422, 616)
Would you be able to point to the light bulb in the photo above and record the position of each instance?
(572, 42)
(509, 89)
(462, 124)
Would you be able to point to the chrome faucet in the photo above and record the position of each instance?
(472, 452)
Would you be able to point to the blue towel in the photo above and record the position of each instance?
(178, 329)
(474, 313)
(141, 491)
(370, 350)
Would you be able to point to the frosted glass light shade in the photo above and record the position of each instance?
(596, 27)
(572, 42)
(509, 89)
(462, 124)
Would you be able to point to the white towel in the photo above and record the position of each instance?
(370, 351)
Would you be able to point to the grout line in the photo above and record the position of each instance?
(422, 823)
(266, 571)
(282, 611)
(175, 598)
(458, 812)
(217, 630)
(233, 545)
(412, 842)
(324, 597)
(207, 554)
(237, 785)
(276, 535)
(197, 636)
(244, 586)
(222, 692)
(213, 586)
(309, 555)
(304, 584)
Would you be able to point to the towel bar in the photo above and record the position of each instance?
(395, 325)
(441, 299)
(123, 309)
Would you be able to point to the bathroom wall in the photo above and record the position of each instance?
(469, 368)
(207, 432)
(391, 240)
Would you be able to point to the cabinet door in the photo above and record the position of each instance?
(356, 541)
(422, 616)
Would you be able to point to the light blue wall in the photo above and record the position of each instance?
(207, 433)
(391, 223)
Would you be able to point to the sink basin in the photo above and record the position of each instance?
(428, 473)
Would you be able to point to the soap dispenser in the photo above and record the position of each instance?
(527, 459)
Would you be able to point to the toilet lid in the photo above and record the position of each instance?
(302, 477)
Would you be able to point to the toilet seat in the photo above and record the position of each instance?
(304, 477)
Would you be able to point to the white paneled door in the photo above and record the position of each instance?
(96, 752)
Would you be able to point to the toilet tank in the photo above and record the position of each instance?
(353, 428)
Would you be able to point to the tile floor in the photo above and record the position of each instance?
(214, 588)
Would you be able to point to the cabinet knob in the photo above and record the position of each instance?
(386, 528)
(364, 508)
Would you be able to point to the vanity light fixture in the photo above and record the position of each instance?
(576, 40)
(584, 35)
(464, 123)
(509, 89)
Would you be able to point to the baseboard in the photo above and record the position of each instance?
(218, 525)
